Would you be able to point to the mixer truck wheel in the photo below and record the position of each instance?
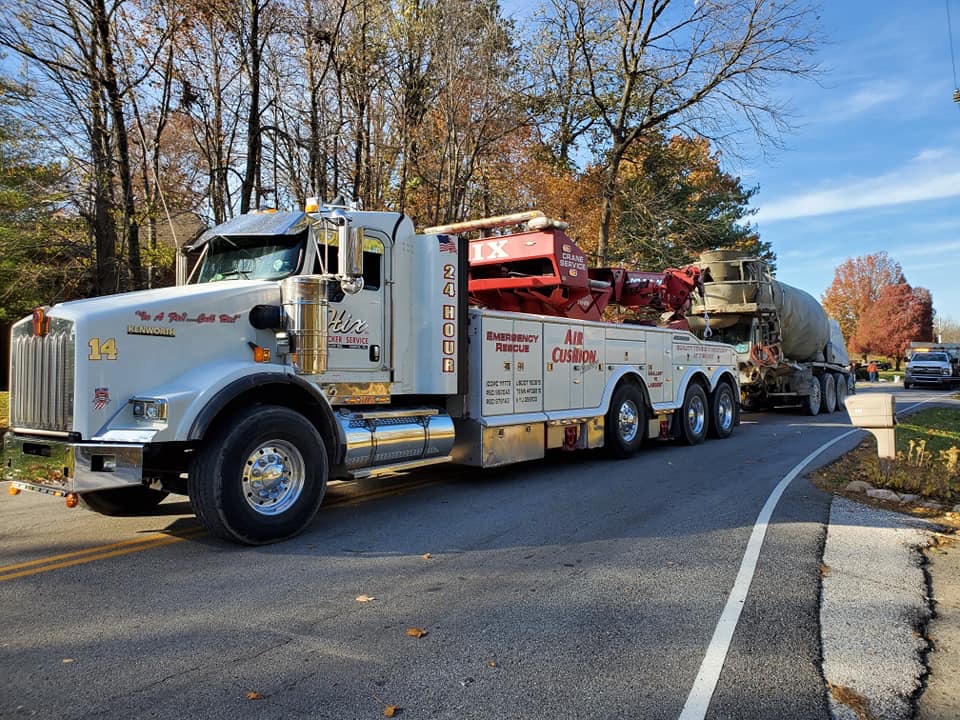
(841, 383)
(828, 394)
(260, 476)
(811, 403)
(626, 422)
(694, 415)
(723, 412)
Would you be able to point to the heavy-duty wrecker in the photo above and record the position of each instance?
(339, 343)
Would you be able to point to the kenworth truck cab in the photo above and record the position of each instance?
(334, 343)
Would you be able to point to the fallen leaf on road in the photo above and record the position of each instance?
(426, 556)
(391, 710)
(68, 660)
(824, 570)
(365, 598)
(253, 695)
(416, 632)
(491, 663)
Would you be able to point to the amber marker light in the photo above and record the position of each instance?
(261, 354)
(72, 500)
(14, 490)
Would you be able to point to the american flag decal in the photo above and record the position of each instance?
(447, 244)
(101, 398)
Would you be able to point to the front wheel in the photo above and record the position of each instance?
(723, 412)
(134, 500)
(260, 477)
(693, 415)
(626, 422)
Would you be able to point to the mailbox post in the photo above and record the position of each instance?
(877, 414)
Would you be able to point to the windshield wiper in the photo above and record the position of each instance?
(235, 271)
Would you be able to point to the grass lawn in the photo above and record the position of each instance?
(928, 458)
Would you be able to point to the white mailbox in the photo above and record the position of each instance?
(877, 414)
(876, 410)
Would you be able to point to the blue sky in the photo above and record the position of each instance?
(875, 161)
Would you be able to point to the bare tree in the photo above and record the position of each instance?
(702, 68)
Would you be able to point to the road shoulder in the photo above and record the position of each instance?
(874, 611)
(941, 699)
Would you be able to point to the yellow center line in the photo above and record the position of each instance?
(125, 547)
(86, 551)
(101, 552)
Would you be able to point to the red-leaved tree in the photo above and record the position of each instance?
(900, 315)
(857, 283)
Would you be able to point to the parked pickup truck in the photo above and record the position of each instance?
(932, 367)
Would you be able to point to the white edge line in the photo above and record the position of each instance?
(703, 688)
(698, 701)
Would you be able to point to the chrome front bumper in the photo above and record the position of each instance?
(57, 467)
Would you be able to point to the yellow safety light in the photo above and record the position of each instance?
(72, 500)
(312, 205)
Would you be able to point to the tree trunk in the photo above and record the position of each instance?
(251, 169)
(130, 226)
(606, 210)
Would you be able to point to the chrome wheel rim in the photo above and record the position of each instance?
(628, 421)
(274, 475)
(696, 415)
(725, 411)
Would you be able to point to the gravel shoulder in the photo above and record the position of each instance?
(874, 611)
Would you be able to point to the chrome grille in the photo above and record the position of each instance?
(41, 377)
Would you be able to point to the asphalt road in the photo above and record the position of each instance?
(578, 587)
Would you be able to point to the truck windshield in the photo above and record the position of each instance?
(252, 257)
(929, 357)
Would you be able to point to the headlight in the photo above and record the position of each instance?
(945, 371)
(149, 408)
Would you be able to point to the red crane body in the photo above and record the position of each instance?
(544, 272)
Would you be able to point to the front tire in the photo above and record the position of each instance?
(260, 477)
(134, 500)
(723, 412)
(694, 415)
(626, 422)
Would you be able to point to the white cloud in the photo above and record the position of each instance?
(925, 178)
(866, 98)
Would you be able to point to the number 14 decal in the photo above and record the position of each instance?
(105, 350)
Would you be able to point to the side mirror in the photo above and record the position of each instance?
(350, 256)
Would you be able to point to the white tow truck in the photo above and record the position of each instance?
(339, 343)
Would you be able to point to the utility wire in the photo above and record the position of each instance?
(953, 61)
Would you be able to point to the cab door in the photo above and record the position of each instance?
(357, 328)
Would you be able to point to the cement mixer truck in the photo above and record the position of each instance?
(788, 351)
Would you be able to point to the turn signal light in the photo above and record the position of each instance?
(261, 354)
(72, 500)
